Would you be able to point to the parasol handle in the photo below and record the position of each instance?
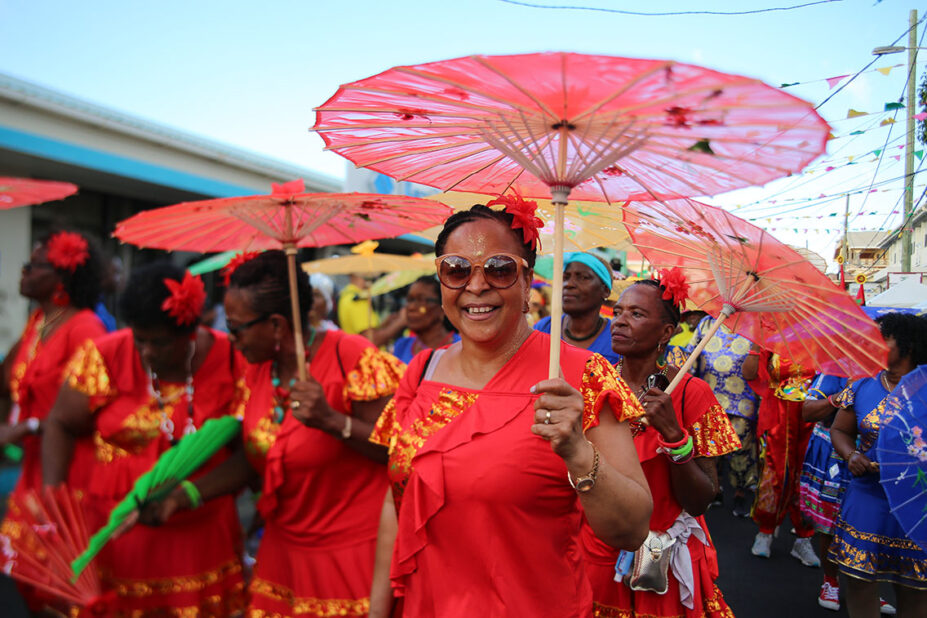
(559, 199)
(726, 312)
(294, 306)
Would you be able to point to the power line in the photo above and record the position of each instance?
(664, 14)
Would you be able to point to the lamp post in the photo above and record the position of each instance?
(906, 239)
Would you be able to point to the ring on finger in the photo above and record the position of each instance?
(547, 418)
(295, 404)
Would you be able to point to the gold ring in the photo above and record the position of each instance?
(547, 418)
(294, 405)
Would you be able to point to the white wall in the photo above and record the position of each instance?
(15, 232)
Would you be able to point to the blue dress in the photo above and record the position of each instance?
(601, 345)
(869, 544)
(403, 347)
(824, 475)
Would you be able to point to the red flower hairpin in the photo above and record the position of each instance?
(235, 262)
(675, 288)
(185, 303)
(67, 251)
(524, 217)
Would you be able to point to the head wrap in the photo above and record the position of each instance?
(594, 264)
(323, 283)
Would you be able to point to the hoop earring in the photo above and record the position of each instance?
(277, 345)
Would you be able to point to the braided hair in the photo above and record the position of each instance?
(670, 311)
(476, 213)
(145, 292)
(265, 277)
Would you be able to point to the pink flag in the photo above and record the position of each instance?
(833, 81)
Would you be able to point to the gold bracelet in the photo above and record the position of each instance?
(850, 455)
(346, 430)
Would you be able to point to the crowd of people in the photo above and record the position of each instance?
(425, 464)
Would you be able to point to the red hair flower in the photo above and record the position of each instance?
(524, 217)
(235, 262)
(675, 288)
(67, 251)
(185, 303)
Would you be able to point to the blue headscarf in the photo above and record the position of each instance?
(594, 264)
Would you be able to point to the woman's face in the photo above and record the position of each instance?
(251, 332)
(319, 308)
(478, 311)
(638, 327)
(39, 278)
(161, 348)
(583, 291)
(423, 307)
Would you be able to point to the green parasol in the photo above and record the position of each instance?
(213, 262)
(174, 465)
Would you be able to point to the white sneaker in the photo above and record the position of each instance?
(886, 608)
(762, 545)
(803, 551)
(829, 597)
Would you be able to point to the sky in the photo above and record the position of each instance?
(249, 74)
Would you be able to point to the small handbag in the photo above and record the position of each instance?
(651, 563)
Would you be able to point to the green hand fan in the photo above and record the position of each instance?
(172, 467)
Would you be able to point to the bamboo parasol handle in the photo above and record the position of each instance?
(291, 250)
(559, 200)
(726, 312)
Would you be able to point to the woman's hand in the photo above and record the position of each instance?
(14, 434)
(309, 406)
(860, 465)
(659, 414)
(558, 417)
(157, 513)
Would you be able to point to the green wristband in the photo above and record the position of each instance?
(196, 499)
(683, 451)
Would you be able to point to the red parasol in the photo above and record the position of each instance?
(286, 219)
(764, 289)
(25, 191)
(597, 127)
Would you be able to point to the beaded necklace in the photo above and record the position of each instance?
(154, 387)
(637, 427)
(282, 395)
(595, 331)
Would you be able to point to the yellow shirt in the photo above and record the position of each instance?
(355, 313)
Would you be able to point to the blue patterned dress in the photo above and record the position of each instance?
(869, 544)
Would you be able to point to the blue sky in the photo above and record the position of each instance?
(249, 74)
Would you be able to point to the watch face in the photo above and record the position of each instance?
(585, 484)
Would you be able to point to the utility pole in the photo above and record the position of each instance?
(906, 236)
(846, 233)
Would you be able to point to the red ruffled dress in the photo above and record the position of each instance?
(699, 413)
(488, 524)
(191, 565)
(321, 500)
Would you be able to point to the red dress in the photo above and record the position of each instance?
(191, 565)
(321, 500)
(699, 413)
(488, 524)
(782, 390)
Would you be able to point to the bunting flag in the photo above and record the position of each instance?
(887, 70)
(833, 81)
(893, 106)
(886, 122)
(861, 295)
(852, 113)
(921, 116)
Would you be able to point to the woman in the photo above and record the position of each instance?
(869, 545)
(587, 283)
(135, 392)
(488, 513)
(782, 387)
(682, 484)
(323, 290)
(63, 277)
(323, 482)
(425, 318)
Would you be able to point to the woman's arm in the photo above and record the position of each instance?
(6, 366)
(619, 505)
(68, 420)
(381, 594)
(843, 435)
(695, 482)
(751, 366)
(813, 410)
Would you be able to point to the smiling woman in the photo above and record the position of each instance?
(488, 458)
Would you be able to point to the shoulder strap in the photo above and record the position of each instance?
(344, 375)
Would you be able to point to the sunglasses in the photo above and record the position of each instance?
(29, 266)
(500, 271)
(235, 331)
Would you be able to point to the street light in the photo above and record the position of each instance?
(906, 239)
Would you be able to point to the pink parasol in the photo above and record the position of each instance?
(558, 124)
(762, 288)
(16, 192)
(286, 219)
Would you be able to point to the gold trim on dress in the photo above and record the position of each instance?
(306, 606)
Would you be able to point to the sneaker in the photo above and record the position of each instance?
(718, 500)
(886, 608)
(803, 551)
(762, 545)
(829, 597)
